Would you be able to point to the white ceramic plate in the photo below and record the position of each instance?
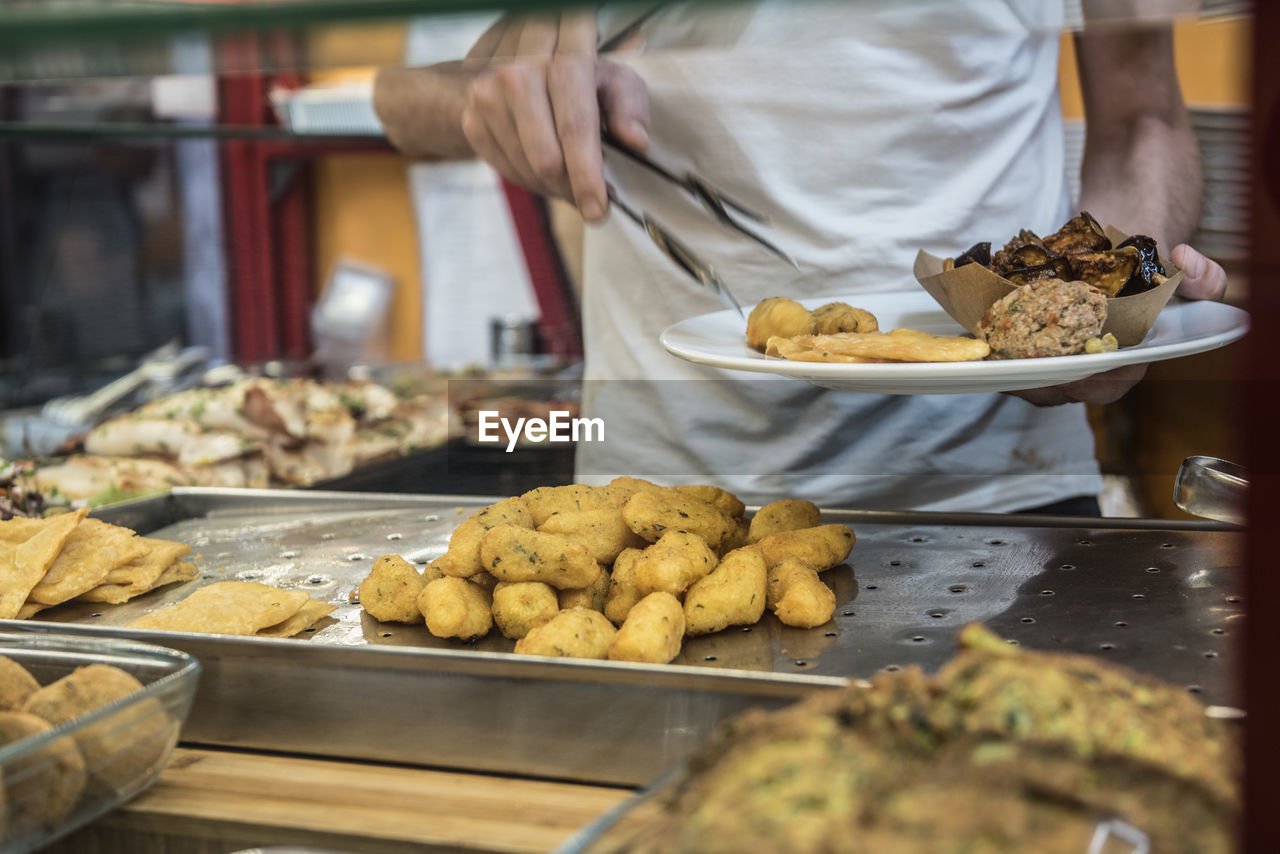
(719, 339)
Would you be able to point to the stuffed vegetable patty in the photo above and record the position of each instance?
(1047, 318)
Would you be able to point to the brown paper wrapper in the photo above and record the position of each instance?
(966, 293)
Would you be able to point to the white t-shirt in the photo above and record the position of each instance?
(865, 136)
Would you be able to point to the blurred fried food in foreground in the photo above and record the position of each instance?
(1001, 751)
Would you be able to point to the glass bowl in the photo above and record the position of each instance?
(56, 781)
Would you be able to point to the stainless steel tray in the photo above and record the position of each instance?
(1161, 597)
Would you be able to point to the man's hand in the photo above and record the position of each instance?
(1202, 279)
(535, 111)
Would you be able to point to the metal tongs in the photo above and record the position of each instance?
(725, 209)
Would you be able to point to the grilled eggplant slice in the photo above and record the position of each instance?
(1107, 271)
(978, 253)
(1055, 268)
(1081, 234)
(1150, 270)
(1031, 255)
(1005, 259)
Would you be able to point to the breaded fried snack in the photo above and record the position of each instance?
(576, 633)
(462, 558)
(389, 593)
(518, 554)
(789, 514)
(732, 595)
(797, 595)
(547, 501)
(592, 596)
(122, 748)
(821, 547)
(776, 316)
(623, 593)
(673, 563)
(728, 503)
(42, 788)
(519, 606)
(737, 538)
(652, 513)
(16, 684)
(652, 631)
(456, 608)
(603, 531)
(841, 317)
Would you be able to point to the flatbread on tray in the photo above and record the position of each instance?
(28, 547)
(308, 615)
(227, 607)
(141, 575)
(92, 551)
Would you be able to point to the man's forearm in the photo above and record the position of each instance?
(1148, 182)
(1141, 170)
(421, 108)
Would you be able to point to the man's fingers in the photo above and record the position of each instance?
(1099, 389)
(486, 46)
(525, 90)
(491, 132)
(624, 104)
(1203, 278)
(577, 34)
(571, 84)
(537, 38)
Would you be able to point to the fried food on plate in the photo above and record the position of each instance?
(776, 316)
(780, 317)
(897, 345)
(841, 317)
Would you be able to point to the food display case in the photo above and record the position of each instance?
(201, 176)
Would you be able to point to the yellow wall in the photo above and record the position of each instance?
(363, 213)
(362, 206)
